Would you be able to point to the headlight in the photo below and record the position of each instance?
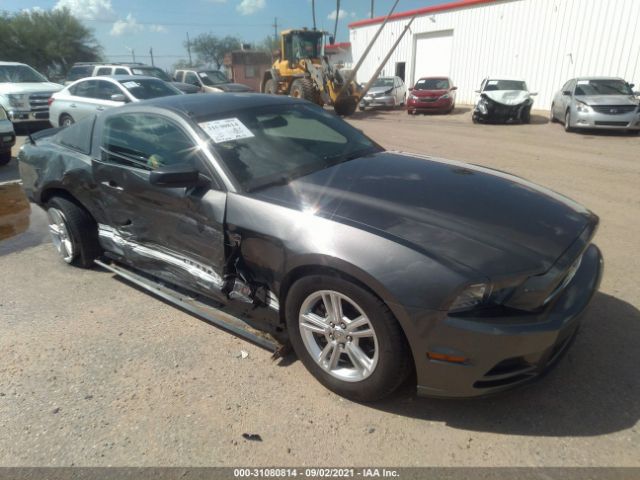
(471, 297)
(412, 97)
(445, 96)
(388, 92)
(18, 100)
(482, 106)
(582, 107)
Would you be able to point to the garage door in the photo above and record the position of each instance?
(432, 54)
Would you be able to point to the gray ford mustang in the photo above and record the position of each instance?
(371, 264)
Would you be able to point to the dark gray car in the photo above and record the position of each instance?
(372, 264)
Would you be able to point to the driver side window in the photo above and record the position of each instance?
(145, 141)
(191, 78)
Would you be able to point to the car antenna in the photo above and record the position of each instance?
(33, 142)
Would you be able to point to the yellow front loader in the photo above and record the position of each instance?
(302, 70)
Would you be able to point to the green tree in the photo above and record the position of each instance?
(210, 49)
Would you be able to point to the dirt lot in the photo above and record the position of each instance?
(94, 372)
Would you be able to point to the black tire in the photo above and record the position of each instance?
(567, 122)
(66, 120)
(303, 88)
(345, 106)
(270, 87)
(474, 118)
(5, 157)
(394, 361)
(525, 117)
(83, 231)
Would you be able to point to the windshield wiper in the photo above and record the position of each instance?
(269, 182)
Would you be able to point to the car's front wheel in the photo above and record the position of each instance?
(567, 122)
(346, 337)
(73, 231)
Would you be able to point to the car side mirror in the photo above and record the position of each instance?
(118, 97)
(478, 91)
(178, 176)
(454, 88)
(332, 40)
(533, 94)
(410, 89)
(567, 93)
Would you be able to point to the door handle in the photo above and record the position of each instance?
(73, 105)
(100, 109)
(112, 184)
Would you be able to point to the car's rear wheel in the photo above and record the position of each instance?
(552, 117)
(346, 337)
(5, 157)
(66, 120)
(73, 231)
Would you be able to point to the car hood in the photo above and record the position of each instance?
(186, 87)
(233, 87)
(486, 220)
(508, 97)
(6, 88)
(428, 93)
(376, 90)
(608, 99)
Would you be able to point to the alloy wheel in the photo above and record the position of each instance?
(338, 335)
(60, 234)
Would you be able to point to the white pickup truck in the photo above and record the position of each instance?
(25, 93)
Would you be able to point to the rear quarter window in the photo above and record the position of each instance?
(78, 136)
(76, 73)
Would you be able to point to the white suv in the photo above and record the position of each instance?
(25, 93)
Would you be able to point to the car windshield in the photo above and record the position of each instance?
(274, 144)
(493, 85)
(151, 72)
(432, 84)
(603, 87)
(3, 114)
(383, 82)
(20, 74)
(213, 77)
(145, 88)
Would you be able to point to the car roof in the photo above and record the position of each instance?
(12, 63)
(598, 78)
(435, 77)
(123, 78)
(509, 79)
(206, 105)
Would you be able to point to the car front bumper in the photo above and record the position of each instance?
(502, 351)
(627, 121)
(23, 116)
(384, 101)
(7, 135)
(439, 105)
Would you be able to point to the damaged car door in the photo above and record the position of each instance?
(160, 195)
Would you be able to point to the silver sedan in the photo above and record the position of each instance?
(385, 92)
(91, 95)
(597, 102)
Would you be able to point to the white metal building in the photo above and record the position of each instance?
(544, 42)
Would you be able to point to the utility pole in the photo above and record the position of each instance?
(313, 12)
(372, 2)
(275, 29)
(335, 26)
(151, 53)
(189, 49)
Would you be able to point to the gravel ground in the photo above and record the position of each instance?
(93, 372)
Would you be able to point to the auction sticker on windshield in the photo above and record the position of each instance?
(226, 130)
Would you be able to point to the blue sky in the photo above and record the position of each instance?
(125, 25)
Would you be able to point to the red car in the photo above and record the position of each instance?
(432, 94)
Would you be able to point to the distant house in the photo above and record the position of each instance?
(247, 67)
